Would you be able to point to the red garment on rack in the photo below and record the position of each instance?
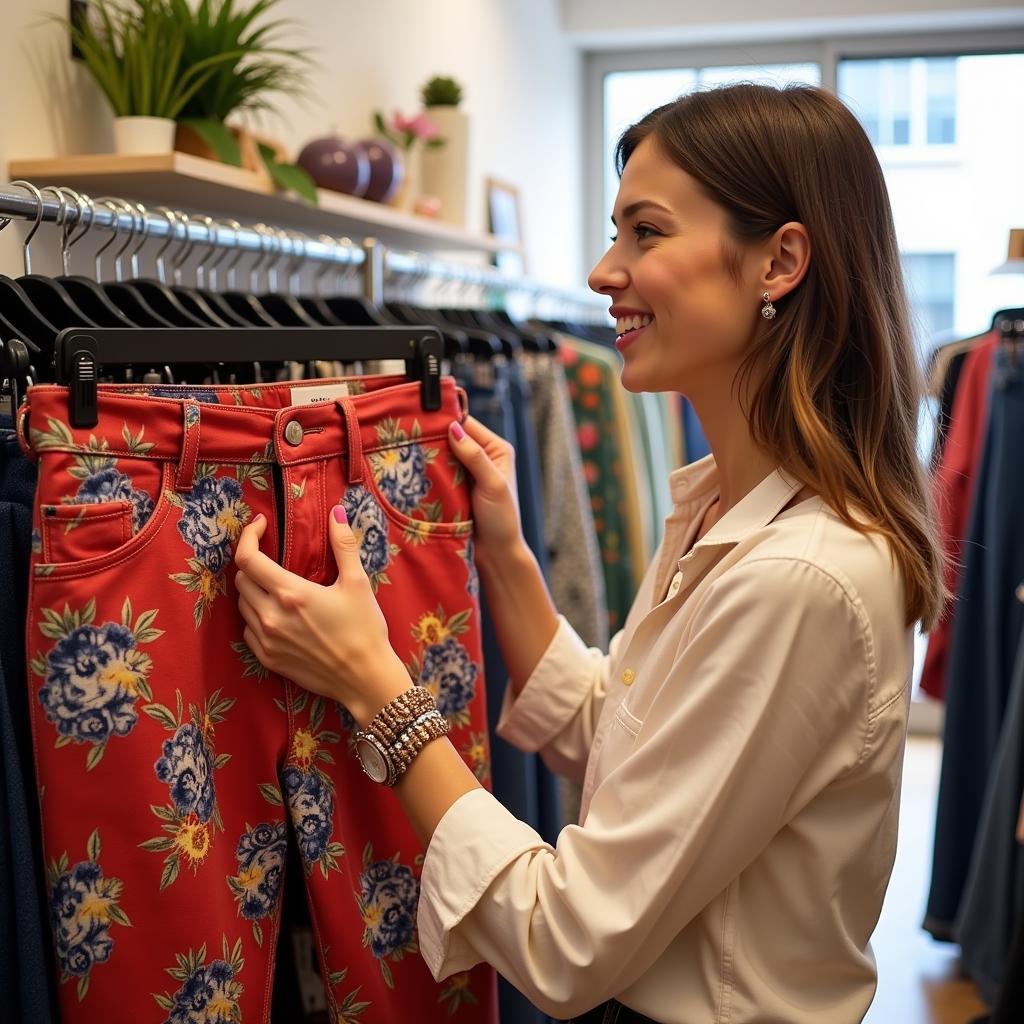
(953, 494)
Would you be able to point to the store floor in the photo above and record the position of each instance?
(918, 979)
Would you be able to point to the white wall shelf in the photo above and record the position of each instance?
(192, 183)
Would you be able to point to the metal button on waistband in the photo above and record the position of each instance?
(628, 675)
(293, 433)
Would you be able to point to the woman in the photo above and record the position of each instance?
(741, 744)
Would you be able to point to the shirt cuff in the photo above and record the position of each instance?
(474, 841)
(552, 695)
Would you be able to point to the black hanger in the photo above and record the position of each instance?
(1007, 314)
(81, 353)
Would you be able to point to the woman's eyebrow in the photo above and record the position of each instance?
(633, 208)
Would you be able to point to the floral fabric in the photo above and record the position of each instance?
(156, 728)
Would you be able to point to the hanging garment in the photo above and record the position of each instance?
(169, 760)
(26, 961)
(591, 382)
(993, 900)
(986, 630)
(574, 559)
(953, 493)
(697, 446)
(521, 781)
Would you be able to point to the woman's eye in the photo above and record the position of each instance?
(643, 231)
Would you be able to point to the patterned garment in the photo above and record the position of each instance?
(590, 388)
(170, 762)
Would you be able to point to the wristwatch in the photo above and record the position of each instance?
(398, 732)
(373, 756)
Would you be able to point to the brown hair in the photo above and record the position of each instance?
(839, 384)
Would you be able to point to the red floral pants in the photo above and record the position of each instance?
(169, 761)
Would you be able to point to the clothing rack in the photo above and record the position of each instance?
(23, 202)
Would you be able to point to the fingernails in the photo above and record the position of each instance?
(340, 515)
(256, 518)
(457, 432)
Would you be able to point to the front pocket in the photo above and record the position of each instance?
(73, 532)
(420, 486)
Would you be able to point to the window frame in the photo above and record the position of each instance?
(825, 51)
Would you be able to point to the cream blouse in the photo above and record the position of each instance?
(740, 747)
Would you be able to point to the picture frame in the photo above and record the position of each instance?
(504, 221)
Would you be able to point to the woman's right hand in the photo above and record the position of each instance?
(491, 462)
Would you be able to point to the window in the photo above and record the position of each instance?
(906, 102)
(931, 288)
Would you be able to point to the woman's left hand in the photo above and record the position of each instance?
(332, 640)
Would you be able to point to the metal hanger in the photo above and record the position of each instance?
(134, 305)
(46, 292)
(245, 304)
(87, 293)
(282, 307)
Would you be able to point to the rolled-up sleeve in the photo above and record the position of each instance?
(763, 707)
(556, 712)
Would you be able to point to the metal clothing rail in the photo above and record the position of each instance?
(377, 261)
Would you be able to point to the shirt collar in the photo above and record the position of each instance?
(699, 480)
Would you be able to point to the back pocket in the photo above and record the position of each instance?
(73, 532)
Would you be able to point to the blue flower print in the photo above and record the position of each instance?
(389, 894)
(402, 477)
(213, 518)
(188, 769)
(449, 674)
(473, 577)
(91, 683)
(371, 529)
(80, 918)
(312, 807)
(199, 394)
(261, 853)
(206, 997)
(111, 484)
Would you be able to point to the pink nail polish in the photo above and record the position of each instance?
(457, 432)
(256, 518)
(340, 515)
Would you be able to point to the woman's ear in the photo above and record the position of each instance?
(789, 255)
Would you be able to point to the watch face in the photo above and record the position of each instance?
(372, 761)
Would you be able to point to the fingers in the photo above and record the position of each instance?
(477, 459)
(265, 571)
(254, 645)
(344, 545)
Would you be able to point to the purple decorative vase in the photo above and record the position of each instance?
(336, 164)
(386, 169)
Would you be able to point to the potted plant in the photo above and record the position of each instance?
(445, 170)
(253, 69)
(411, 135)
(140, 67)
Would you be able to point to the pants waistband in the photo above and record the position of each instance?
(256, 423)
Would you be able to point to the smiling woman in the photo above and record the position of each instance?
(739, 746)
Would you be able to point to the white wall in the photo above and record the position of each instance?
(521, 79)
(611, 24)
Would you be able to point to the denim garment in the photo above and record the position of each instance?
(988, 619)
(26, 968)
(993, 900)
(696, 443)
(612, 1012)
(520, 781)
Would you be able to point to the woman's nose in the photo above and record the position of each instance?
(609, 275)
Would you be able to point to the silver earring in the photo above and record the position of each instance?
(768, 310)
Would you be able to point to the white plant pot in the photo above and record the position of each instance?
(445, 170)
(134, 136)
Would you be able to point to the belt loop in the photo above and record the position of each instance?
(21, 429)
(186, 471)
(355, 440)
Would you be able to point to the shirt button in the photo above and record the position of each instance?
(293, 433)
(677, 582)
(628, 675)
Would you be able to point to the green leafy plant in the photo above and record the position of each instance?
(257, 70)
(441, 91)
(137, 63)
